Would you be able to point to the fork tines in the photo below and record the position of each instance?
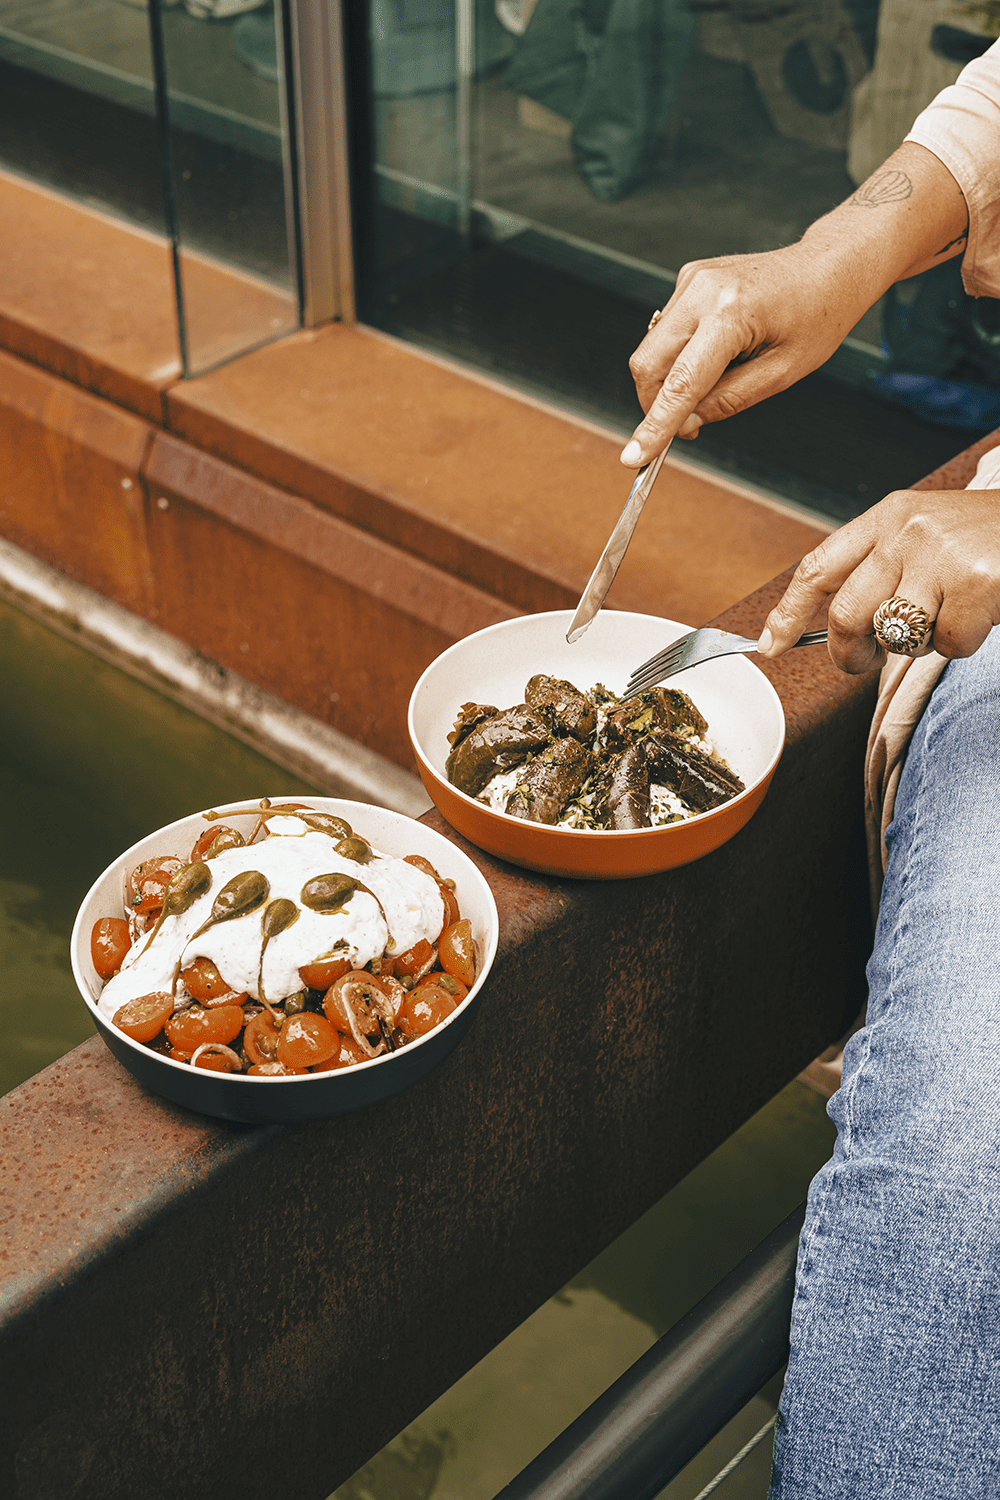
(664, 664)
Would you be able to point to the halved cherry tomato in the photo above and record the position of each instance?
(147, 884)
(349, 1054)
(216, 1060)
(189, 1028)
(145, 1017)
(322, 972)
(260, 1039)
(426, 1007)
(306, 1039)
(418, 861)
(214, 840)
(109, 943)
(451, 907)
(444, 982)
(203, 980)
(394, 988)
(356, 992)
(456, 952)
(415, 961)
(273, 1070)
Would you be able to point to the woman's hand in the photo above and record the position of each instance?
(737, 329)
(940, 549)
(742, 327)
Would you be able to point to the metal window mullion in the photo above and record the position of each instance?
(324, 205)
(465, 66)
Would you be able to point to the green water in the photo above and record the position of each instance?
(90, 762)
(488, 1426)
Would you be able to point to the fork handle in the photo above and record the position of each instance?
(812, 638)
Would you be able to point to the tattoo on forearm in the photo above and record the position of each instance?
(885, 187)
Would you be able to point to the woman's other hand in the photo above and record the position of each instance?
(940, 549)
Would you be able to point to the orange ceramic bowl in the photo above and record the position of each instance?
(746, 726)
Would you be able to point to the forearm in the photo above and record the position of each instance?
(910, 215)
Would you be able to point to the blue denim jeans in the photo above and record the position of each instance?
(893, 1387)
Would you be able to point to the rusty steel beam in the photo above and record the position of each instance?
(191, 1308)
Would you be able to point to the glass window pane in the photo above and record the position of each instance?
(78, 112)
(227, 157)
(77, 103)
(537, 189)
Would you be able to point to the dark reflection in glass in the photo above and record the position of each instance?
(78, 113)
(612, 141)
(218, 66)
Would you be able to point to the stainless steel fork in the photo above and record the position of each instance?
(694, 648)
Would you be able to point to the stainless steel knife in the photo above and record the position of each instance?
(603, 575)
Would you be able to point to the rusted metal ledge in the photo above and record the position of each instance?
(197, 1309)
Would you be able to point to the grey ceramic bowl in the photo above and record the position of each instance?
(314, 1096)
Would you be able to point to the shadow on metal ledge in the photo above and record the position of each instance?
(179, 1294)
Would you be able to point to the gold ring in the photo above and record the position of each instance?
(900, 626)
(654, 319)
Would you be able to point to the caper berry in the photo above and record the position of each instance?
(328, 893)
(355, 849)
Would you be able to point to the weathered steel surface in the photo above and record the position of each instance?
(71, 490)
(196, 1309)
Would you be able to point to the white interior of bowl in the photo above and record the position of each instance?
(388, 832)
(745, 718)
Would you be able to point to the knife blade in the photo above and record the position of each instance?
(603, 575)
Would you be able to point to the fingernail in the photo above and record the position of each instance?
(765, 641)
(691, 427)
(631, 453)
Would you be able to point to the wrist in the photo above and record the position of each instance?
(909, 215)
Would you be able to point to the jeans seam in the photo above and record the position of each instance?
(890, 939)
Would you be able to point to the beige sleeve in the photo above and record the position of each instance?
(962, 128)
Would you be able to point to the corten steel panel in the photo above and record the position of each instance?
(489, 485)
(87, 297)
(70, 485)
(321, 613)
(195, 1309)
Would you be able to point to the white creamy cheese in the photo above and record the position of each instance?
(410, 898)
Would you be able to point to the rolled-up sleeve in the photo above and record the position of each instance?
(962, 128)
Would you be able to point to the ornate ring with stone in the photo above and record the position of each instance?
(654, 319)
(901, 626)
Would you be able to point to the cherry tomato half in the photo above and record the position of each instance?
(260, 1039)
(145, 1017)
(349, 1054)
(215, 1059)
(203, 980)
(394, 988)
(147, 884)
(306, 1039)
(426, 1007)
(456, 952)
(451, 907)
(109, 943)
(356, 993)
(273, 1070)
(189, 1028)
(446, 983)
(322, 972)
(214, 840)
(419, 863)
(415, 961)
